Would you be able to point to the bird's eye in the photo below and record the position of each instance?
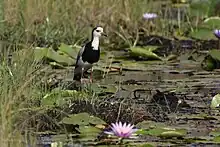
(97, 30)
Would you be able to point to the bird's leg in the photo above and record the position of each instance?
(91, 75)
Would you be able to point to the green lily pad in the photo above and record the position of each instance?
(40, 53)
(217, 139)
(199, 9)
(150, 124)
(169, 134)
(60, 58)
(77, 119)
(152, 132)
(215, 54)
(209, 63)
(96, 121)
(215, 101)
(144, 52)
(212, 22)
(82, 119)
(60, 97)
(69, 50)
(88, 132)
(203, 34)
(109, 89)
(214, 133)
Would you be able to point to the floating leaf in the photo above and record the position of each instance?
(109, 89)
(169, 134)
(212, 22)
(77, 119)
(217, 139)
(215, 101)
(152, 132)
(209, 63)
(96, 121)
(199, 8)
(203, 34)
(59, 97)
(40, 53)
(150, 124)
(89, 132)
(144, 53)
(60, 58)
(214, 133)
(70, 51)
(82, 119)
(215, 54)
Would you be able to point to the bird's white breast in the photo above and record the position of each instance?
(95, 43)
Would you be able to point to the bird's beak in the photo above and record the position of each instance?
(104, 34)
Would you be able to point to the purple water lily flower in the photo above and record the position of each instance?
(217, 33)
(121, 130)
(147, 16)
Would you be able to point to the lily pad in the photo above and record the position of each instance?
(169, 134)
(60, 58)
(40, 53)
(69, 50)
(150, 124)
(82, 119)
(203, 34)
(88, 132)
(215, 54)
(200, 8)
(212, 22)
(144, 53)
(215, 101)
(77, 119)
(152, 132)
(60, 97)
(217, 139)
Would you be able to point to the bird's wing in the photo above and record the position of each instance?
(80, 54)
(79, 64)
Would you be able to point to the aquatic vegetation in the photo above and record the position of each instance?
(121, 130)
(215, 101)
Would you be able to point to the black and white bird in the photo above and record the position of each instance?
(88, 54)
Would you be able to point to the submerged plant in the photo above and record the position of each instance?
(122, 130)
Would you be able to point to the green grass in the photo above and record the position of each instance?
(71, 21)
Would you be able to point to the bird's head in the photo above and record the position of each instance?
(98, 32)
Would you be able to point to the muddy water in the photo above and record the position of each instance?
(189, 83)
(186, 87)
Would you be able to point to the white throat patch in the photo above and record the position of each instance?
(95, 43)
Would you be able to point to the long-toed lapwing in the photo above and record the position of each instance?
(88, 54)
